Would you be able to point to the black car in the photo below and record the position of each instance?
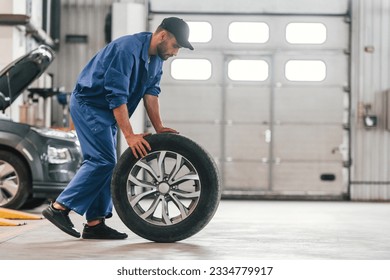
(35, 163)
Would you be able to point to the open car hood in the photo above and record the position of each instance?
(19, 74)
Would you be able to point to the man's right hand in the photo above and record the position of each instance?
(138, 145)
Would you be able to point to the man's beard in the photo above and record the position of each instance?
(162, 50)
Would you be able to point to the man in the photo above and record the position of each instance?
(107, 92)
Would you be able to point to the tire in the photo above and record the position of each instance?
(171, 207)
(15, 182)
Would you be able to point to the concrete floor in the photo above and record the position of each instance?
(267, 230)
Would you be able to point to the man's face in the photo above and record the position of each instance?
(168, 47)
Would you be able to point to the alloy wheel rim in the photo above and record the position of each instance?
(9, 182)
(163, 188)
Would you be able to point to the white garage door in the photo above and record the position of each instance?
(268, 97)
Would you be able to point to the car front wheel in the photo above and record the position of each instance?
(15, 183)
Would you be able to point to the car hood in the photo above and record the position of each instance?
(19, 74)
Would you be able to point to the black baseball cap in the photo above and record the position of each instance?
(179, 28)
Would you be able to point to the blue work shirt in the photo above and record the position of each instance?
(120, 73)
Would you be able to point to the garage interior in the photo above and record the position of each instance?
(291, 99)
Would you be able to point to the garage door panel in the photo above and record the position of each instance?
(195, 104)
(207, 135)
(309, 105)
(245, 176)
(305, 178)
(332, 7)
(246, 142)
(247, 104)
(336, 28)
(313, 142)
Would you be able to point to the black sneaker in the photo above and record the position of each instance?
(60, 218)
(102, 231)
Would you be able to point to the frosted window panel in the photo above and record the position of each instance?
(200, 32)
(305, 70)
(248, 32)
(191, 69)
(306, 33)
(248, 70)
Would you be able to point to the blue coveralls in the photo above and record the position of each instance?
(118, 74)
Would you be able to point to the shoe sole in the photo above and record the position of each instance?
(48, 216)
(102, 238)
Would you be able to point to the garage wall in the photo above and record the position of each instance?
(13, 44)
(370, 176)
(6, 36)
(82, 35)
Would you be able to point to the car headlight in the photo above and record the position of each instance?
(58, 155)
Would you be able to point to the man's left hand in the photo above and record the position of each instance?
(167, 130)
